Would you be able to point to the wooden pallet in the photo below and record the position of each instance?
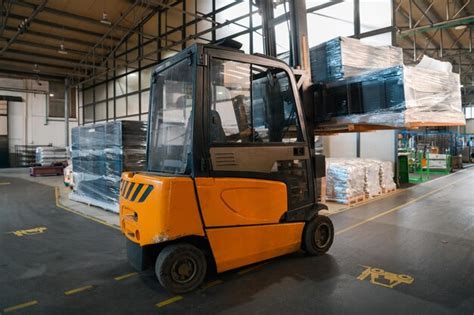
(350, 201)
(335, 128)
(418, 124)
(373, 196)
(329, 129)
(386, 191)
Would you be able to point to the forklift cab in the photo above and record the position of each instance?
(230, 177)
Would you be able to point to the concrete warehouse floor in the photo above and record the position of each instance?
(410, 252)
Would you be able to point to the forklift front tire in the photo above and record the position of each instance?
(318, 235)
(181, 267)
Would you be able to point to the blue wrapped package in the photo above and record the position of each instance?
(343, 57)
(100, 153)
(398, 97)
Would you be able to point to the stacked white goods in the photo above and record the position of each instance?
(50, 155)
(350, 180)
(385, 175)
(345, 180)
(372, 186)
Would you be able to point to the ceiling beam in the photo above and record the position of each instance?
(466, 20)
(114, 25)
(60, 26)
(439, 18)
(32, 16)
(126, 36)
(6, 11)
(29, 74)
(32, 63)
(30, 44)
(59, 58)
(71, 40)
(67, 14)
(7, 64)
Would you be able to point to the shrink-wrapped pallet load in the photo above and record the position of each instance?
(386, 175)
(367, 85)
(100, 153)
(372, 178)
(344, 181)
(401, 96)
(50, 155)
(344, 57)
(352, 180)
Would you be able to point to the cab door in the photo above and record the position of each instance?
(256, 147)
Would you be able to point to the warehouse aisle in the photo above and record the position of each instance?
(414, 248)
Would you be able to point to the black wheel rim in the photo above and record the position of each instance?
(322, 235)
(184, 270)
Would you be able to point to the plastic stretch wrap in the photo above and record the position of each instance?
(385, 174)
(372, 186)
(100, 153)
(352, 178)
(344, 180)
(346, 57)
(50, 155)
(402, 96)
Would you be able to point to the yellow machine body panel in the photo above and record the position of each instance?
(241, 216)
(241, 201)
(156, 209)
(234, 247)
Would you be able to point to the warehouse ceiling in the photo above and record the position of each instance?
(58, 38)
(441, 29)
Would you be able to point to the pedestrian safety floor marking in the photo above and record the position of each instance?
(384, 278)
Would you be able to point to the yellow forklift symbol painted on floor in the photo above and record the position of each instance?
(37, 230)
(383, 278)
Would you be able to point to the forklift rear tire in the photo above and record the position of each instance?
(318, 235)
(181, 267)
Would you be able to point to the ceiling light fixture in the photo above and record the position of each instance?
(62, 50)
(51, 95)
(105, 20)
(460, 27)
(35, 68)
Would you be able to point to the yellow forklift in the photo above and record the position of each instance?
(231, 175)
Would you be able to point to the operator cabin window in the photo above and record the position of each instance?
(171, 120)
(252, 104)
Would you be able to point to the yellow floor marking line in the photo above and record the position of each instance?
(128, 275)
(398, 207)
(169, 301)
(77, 290)
(383, 278)
(33, 231)
(211, 284)
(59, 205)
(19, 306)
(400, 190)
(4, 184)
(242, 272)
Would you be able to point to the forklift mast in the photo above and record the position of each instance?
(299, 50)
(299, 61)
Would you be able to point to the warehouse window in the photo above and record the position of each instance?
(251, 103)
(56, 100)
(469, 112)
